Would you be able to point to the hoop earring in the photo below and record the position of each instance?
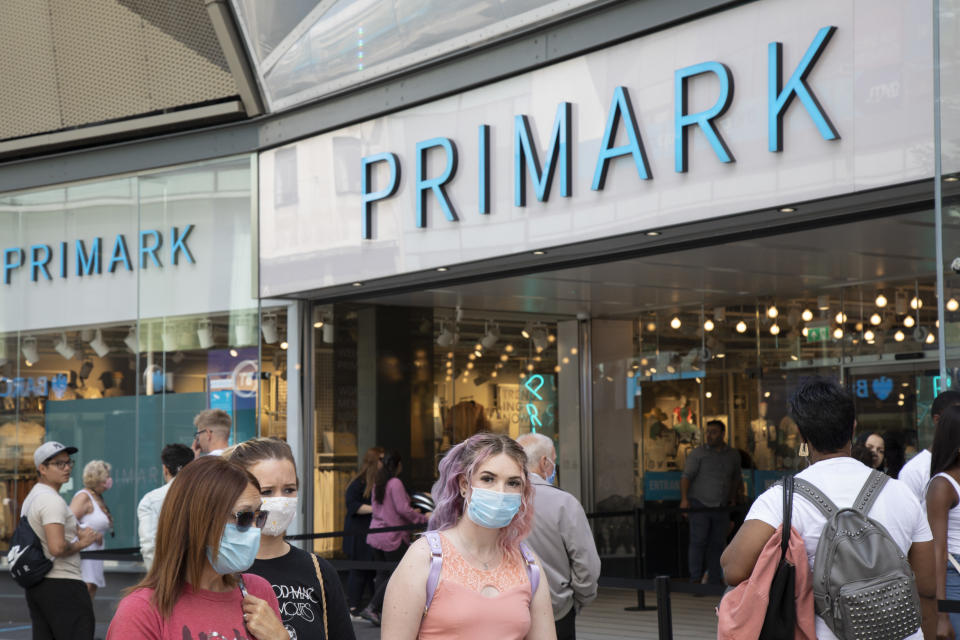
(804, 450)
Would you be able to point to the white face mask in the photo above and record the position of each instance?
(281, 512)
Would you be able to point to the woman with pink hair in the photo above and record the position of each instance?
(471, 577)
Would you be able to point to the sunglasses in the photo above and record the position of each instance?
(247, 519)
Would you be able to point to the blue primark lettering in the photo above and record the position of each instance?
(38, 264)
(88, 265)
(63, 260)
(9, 265)
(367, 198)
(435, 184)
(119, 255)
(178, 244)
(683, 120)
(525, 157)
(150, 250)
(780, 98)
(483, 178)
(620, 107)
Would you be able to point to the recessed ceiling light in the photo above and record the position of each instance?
(653, 234)
(539, 252)
(951, 179)
(787, 209)
(441, 269)
(358, 284)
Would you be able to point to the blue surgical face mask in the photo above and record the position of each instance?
(553, 474)
(492, 509)
(238, 550)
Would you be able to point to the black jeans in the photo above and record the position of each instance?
(383, 575)
(60, 609)
(357, 583)
(708, 536)
(566, 626)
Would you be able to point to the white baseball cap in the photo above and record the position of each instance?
(49, 449)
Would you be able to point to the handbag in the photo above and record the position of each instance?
(323, 595)
(781, 616)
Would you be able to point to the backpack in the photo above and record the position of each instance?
(863, 586)
(28, 564)
(436, 563)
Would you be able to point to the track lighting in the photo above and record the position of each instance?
(490, 336)
(675, 323)
(446, 338)
(838, 333)
(774, 329)
(62, 347)
(268, 327)
(708, 325)
(773, 312)
(952, 304)
(28, 348)
(875, 319)
(881, 300)
(898, 336)
(741, 327)
(98, 345)
(205, 334)
(133, 344)
(823, 303)
(807, 315)
(908, 322)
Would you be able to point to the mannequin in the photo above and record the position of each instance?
(759, 438)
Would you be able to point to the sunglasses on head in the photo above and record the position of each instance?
(246, 519)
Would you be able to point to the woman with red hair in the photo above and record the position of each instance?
(471, 577)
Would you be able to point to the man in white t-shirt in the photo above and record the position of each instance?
(916, 473)
(824, 414)
(213, 432)
(173, 457)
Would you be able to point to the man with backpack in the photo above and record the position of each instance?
(866, 536)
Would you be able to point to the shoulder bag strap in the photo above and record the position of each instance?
(871, 489)
(533, 571)
(436, 563)
(815, 497)
(323, 594)
(787, 515)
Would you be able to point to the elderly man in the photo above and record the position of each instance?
(561, 537)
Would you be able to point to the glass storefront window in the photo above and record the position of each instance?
(132, 308)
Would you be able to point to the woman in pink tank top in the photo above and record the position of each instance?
(484, 509)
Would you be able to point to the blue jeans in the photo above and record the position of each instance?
(708, 536)
(953, 592)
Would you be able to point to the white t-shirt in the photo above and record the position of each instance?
(841, 480)
(44, 506)
(916, 473)
(953, 518)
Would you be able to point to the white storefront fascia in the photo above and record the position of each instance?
(866, 122)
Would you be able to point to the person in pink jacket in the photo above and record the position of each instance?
(391, 508)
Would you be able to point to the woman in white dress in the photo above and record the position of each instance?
(91, 511)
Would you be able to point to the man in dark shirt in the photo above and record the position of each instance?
(711, 478)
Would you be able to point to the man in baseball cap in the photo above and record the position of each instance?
(49, 449)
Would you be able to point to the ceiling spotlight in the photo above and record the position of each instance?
(317, 315)
(508, 348)
(245, 330)
(478, 353)
(675, 323)
(539, 337)
(787, 209)
(490, 336)
(719, 314)
(651, 327)
(551, 338)
(916, 303)
(284, 345)
(28, 348)
(525, 332)
(869, 336)
(741, 327)
(133, 344)
(445, 339)
(908, 321)
(805, 331)
(441, 269)
(807, 315)
(838, 333)
(708, 394)
(708, 325)
(268, 327)
(357, 284)
(539, 252)
(774, 329)
(900, 303)
(98, 345)
(493, 374)
(205, 334)
(504, 357)
(328, 333)
(952, 304)
(931, 338)
(875, 319)
(234, 353)
(841, 317)
(951, 179)
(898, 336)
(652, 234)
(63, 348)
(823, 303)
(881, 300)
(773, 312)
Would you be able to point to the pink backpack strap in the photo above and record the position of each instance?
(533, 571)
(436, 562)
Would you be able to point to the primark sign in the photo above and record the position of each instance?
(94, 256)
(755, 108)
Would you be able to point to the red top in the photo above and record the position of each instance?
(394, 511)
(196, 615)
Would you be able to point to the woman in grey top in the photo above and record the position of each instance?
(60, 606)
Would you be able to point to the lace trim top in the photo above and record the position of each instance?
(511, 571)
